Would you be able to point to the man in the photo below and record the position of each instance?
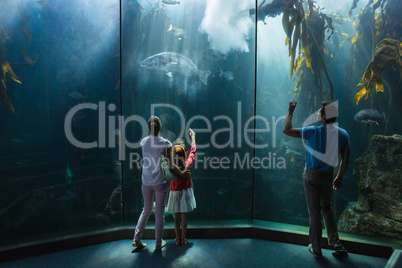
(324, 143)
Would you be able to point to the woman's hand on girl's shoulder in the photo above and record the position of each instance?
(186, 173)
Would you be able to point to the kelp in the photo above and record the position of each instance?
(309, 69)
(24, 20)
(361, 50)
(354, 5)
(375, 40)
(272, 9)
(391, 25)
(24, 26)
(5, 70)
(376, 5)
(306, 31)
(295, 27)
(293, 16)
(386, 53)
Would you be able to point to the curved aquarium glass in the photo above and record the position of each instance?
(81, 79)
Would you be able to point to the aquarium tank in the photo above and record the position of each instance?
(80, 79)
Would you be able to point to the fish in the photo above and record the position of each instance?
(212, 55)
(259, 102)
(75, 95)
(222, 190)
(273, 9)
(179, 92)
(45, 4)
(17, 141)
(288, 151)
(179, 33)
(171, 2)
(69, 175)
(80, 115)
(171, 62)
(369, 117)
(293, 146)
(228, 75)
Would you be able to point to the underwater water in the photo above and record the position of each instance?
(77, 75)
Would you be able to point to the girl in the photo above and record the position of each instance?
(181, 197)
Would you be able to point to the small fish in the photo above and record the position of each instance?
(45, 4)
(369, 116)
(293, 146)
(80, 115)
(228, 75)
(76, 95)
(179, 33)
(171, 62)
(259, 102)
(171, 2)
(17, 141)
(179, 92)
(212, 55)
(288, 151)
(222, 190)
(69, 175)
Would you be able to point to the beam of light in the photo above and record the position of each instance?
(228, 25)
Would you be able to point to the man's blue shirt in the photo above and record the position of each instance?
(316, 137)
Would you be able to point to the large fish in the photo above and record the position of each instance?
(171, 2)
(369, 116)
(171, 62)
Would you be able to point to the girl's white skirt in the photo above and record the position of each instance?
(181, 201)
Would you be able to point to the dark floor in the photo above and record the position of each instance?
(197, 253)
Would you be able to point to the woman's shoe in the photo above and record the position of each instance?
(160, 246)
(183, 241)
(139, 244)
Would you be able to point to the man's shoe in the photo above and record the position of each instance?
(139, 244)
(339, 249)
(160, 246)
(316, 254)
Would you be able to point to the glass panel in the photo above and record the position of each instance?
(192, 64)
(278, 195)
(61, 64)
(327, 61)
